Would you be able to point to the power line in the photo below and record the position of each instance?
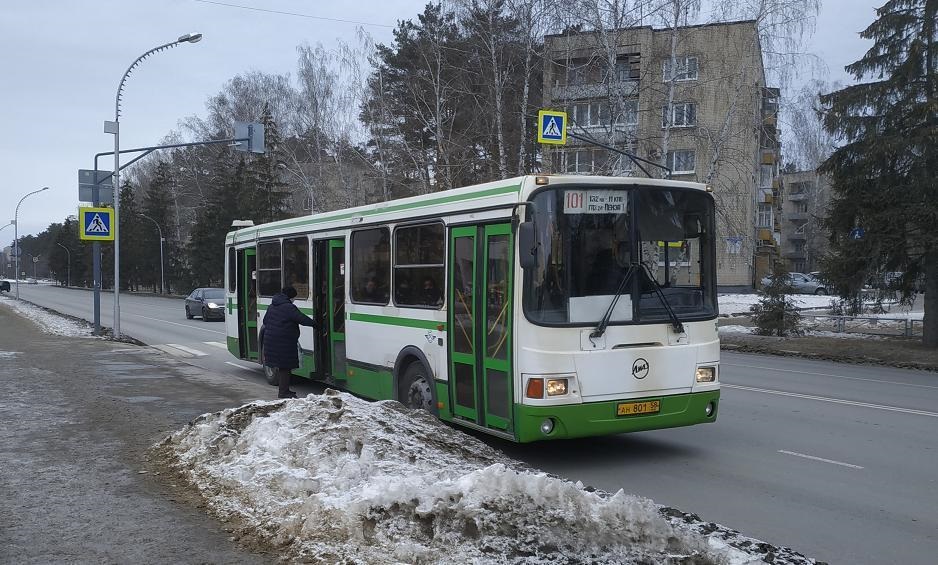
(292, 14)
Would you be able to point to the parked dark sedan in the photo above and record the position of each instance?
(4, 286)
(206, 302)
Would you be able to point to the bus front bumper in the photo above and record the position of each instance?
(599, 418)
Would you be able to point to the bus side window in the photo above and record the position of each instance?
(418, 265)
(296, 265)
(371, 266)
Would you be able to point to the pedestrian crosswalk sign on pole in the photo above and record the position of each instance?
(95, 224)
(552, 127)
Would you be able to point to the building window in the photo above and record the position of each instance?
(269, 281)
(586, 161)
(296, 265)
(590, 114)
(765, 176)
(418, 266)
(628, 116)
(628, 67)
(801, 207)
(799, 247)
(685, 68)
(371, 266)
(764, 218)
(683, 114)
(682, 161)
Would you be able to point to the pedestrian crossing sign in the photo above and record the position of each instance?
(552, 127)
(96, 224)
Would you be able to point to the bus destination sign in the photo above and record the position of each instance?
(594, 202)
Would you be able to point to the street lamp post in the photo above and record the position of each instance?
(114, 127)
(16, 238)
(160, 231)
(68, 266)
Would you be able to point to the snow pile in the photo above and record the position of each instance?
(734, 329)
(333, 478)
(49, 322)
(732, 304)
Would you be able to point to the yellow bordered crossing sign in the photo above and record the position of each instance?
(95, 224)
(552, 127)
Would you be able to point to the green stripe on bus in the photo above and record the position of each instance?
(497, 191)
(393, 321)
(261, 307)
(307, 311)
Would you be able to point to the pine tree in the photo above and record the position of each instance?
(207, 240)
(775, 314)
(270, 195)
(885, 176)
(157, 204)
(132, 228)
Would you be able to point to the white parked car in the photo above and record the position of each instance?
(802, 284)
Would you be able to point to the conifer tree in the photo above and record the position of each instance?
(270, 195)
(207, 241)
(775, 314)
(885, 176)
(157, 204)
(132, 228)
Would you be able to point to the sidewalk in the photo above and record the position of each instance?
(79, 415)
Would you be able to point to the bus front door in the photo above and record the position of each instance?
(480, 318)
(329, 274)
(247, 303)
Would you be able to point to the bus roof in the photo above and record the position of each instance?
(503, 192)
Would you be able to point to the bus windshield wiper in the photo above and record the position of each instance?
(604, 322)
(675, 321)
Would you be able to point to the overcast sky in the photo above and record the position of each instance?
(62, 60)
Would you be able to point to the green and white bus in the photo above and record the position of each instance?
(540, 307)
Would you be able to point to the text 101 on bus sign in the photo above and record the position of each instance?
(594, 202)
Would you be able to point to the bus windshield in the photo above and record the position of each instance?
(588, 238)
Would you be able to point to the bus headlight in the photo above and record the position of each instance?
(706, 374)
(556, 387)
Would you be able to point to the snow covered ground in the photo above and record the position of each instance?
(808, 333)
(333, 478)
(47, 321)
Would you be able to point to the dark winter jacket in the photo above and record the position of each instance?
(280, 332)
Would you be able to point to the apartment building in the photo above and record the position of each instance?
(692, 98)
(804, 241)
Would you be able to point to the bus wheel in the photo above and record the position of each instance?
(271, 374)
(415, 388)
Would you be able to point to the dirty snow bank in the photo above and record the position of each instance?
(48, 322)
(332, 478)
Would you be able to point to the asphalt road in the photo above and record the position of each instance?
(837, 461)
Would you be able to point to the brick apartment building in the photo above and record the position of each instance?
(694, 99)
(804, 242)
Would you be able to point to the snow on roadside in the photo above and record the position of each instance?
(731, 304)
(47, 321)
(333, 478)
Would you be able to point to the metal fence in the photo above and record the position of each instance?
(870, 325)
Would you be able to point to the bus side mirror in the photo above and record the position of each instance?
(526, 246)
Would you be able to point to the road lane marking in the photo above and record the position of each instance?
(835, 400)
(189, 350)
(172, 350)
(217, 344)
(191, 326)
(252, 369)
(813, 458)
(828, 375)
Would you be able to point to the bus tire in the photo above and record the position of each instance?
(270, 373)
(415, 387)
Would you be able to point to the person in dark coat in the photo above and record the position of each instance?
(279, 336)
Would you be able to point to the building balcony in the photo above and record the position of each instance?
(796, 216)
(794, 254)
(797, 236)
(765, 234)
(561, 92)
(770, 120)
(797, 196)
(769, 158)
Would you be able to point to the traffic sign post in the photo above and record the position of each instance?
(552, 127)
(96, 224)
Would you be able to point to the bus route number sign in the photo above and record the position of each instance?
(594, 202)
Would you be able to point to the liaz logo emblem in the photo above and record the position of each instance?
(640, 368)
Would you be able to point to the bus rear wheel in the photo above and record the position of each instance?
(415, 388)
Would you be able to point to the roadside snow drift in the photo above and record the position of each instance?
(333, 478)
(48, 322)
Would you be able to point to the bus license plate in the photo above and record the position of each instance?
(631, 408)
